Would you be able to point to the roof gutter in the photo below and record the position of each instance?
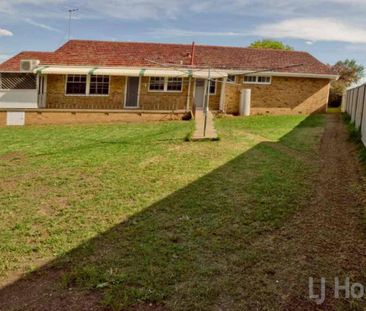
(305, 75)
(286, 74)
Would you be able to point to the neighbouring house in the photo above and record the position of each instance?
(86, 81)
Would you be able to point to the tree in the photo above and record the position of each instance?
(270, 44)
(349, 73)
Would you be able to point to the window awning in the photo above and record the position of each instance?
(165, 73)
(203, 74)
(131, 72)
(128, 72)
(63, 70)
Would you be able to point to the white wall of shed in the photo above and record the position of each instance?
(18, 99)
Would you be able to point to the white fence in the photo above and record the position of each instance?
(355, 107)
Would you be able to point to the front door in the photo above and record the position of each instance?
(132, 93)
(199, 95)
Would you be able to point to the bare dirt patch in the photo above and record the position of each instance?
(12, 156)
(43, 292)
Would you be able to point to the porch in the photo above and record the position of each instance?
(151, 93)
(57, 95)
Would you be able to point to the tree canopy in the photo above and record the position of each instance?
(270, 44)
(349, 73)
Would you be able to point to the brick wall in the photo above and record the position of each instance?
(283, 96)
(57, 99)
(232, 98)
(162, 100)
(215, 99)
(80, 117)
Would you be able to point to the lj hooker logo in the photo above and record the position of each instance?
(342, 289)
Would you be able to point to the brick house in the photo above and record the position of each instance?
(125, 77)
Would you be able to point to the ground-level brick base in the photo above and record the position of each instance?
(44, 117)
(287, 111)
(2, 118)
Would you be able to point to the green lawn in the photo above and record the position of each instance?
(138, 214)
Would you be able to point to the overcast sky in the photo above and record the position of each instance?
(329, 29)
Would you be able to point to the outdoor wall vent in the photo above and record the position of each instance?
(28, 65)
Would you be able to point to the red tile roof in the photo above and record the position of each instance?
(137, 54)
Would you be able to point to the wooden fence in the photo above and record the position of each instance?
(355, 107)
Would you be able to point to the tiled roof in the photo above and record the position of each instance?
(137, 54)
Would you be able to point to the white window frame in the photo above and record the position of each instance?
(157, 91)
(109, 85)
(209, 89)
(256, 80)
(173, 91)
(87, 89)
(165, 90)
(235, 79)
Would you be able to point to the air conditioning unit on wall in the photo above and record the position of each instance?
(28, 65)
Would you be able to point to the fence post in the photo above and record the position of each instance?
(363, 106)
(359, 112)
(350, 102)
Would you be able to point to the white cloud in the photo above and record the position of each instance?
(312, 29)
(175, 32)
(310, 20)
(159, 9)
(92, 9)
(299, 28)
(40, 25)
(133, 9)
(5, 33)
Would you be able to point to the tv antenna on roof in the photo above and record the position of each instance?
(71, 11)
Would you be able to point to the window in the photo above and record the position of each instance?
(174, 84)
(17, 81)
(156, 84)
(257, 79)
(264, 80)
(76, 85)
(99, 85)
(212, 87)
(231, 78)
(250, 79)
(161, 84)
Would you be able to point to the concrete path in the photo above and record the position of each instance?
(211, 133)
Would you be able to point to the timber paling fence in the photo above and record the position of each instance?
(355, 107)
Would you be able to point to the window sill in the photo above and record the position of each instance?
(85, 95)
(165, 91)
(257, 83)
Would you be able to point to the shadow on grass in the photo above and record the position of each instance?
(189, 251)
